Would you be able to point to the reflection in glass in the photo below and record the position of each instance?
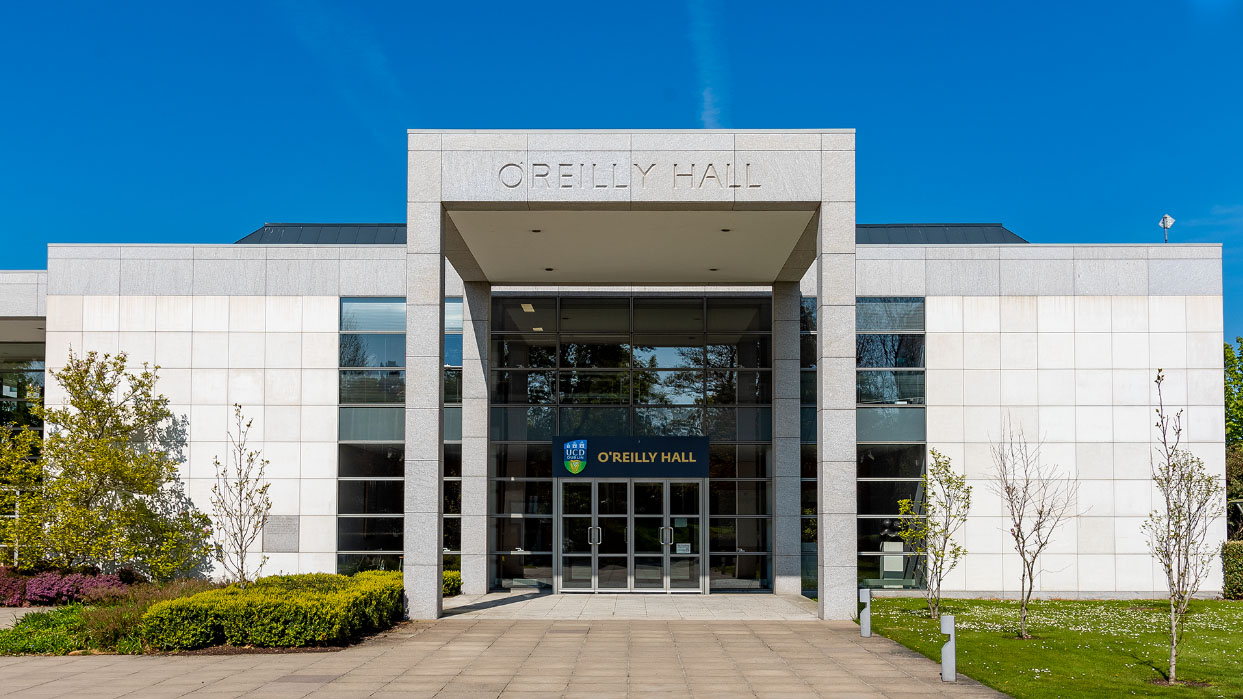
(359, 350)
(881, 497)
(532, 534)
(522, 497)
(889, 313)
(532, 424)
(889, 424)
(746, 351)
(595, 387)
(730, 314)
(744, 572)
(881, 535)
(890, 460)
(522, 386)
(889, 351)
(453, 349)
(668, 422)
(526, 570)
(370, 497)
(524, 351)
(668, 351)
(537, 314)
(372, 424)
(603, 422)
(369, 533)
(521, 460)
(889, 387)
(371, 460)
(668, 387)
(739, 388)
(373, 387)
(373, 313)
(595, 352)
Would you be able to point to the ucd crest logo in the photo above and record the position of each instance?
(576, 456)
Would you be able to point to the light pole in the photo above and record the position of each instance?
(1166, 221)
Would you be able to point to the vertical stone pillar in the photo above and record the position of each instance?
(835, 409)
(787, 532)
(476, 305)
(425, 327)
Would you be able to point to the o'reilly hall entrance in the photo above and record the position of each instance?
(640, 534)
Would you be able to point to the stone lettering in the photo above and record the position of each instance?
(594, 176)
(643, 173)
(540, 171)
(689, 175)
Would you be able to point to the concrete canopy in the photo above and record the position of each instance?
(634, 247)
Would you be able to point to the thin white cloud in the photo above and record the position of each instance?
(710, 65)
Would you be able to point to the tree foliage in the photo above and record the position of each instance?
(1179, 531)
(104, 491)
(932, 522)
(1234, 392)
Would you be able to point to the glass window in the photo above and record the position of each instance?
(453, 313)
(743, 535)
(453, 350)
(518, 570)
(523, 386)
(371, 460)
(359, 350)
(890, 572)
(668, 315)
(372, 424)
(595, 387)
(453, 385)
(668, 387)
(668, 422)
(809, 464)
(595, 315)
(739, 572)
(453, 460)
(595, 352)
(807, 314)
(22, 356)
(370, 497)
(881, 535)
(739, 388)
(735, 314)
(603, 422)
(373, 387)
(369, 533)
(522, 497)
(807, 387)
(748, 351)
(890, 460)
(740, 424)
(738, 497)
(889, 425)
(452, 492)
(21, 385)
(538, 314)
(668, 351)
(881, 497)
(808, 497)
(808, 351)
(521, 460)
(532, 424)
(350, 563)
(529, 534)
(453, 423)
(452, 535)
(524, 351)
(373, 314)
(807, 424)
(739, 461)
(889, 351)
(889, 387)
(890, 313)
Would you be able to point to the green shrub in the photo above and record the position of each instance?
(116, 624)
(54, 632)
(279, 611)
(1232, 563)
(452, 584)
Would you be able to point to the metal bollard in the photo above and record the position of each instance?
(865, 616)
(949, 672)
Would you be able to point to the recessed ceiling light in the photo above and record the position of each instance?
(712, 269)
(538, 330)
(535, 230)
(548, 269)
(528, 308)
(725, 230)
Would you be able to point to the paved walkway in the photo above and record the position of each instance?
(537, 605)
(472, 657)
(10, 615)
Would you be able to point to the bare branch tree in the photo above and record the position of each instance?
(933, 521)
(1179, 533)
(240, 504)
(1037, 500)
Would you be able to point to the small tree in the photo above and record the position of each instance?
(240, 504)
(1037, 501)
(933, 521)
(1179, 531)
(107, 492)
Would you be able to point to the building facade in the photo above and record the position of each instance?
(650, 362)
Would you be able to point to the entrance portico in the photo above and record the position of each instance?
(644, 212)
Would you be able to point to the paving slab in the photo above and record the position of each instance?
(483, 656)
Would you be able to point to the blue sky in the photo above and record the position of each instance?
(1068, 122)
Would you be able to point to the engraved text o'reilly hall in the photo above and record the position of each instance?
(625, 175)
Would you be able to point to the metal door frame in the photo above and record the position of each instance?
(630, 536)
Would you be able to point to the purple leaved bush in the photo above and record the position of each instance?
(12, 589)
(55, 588)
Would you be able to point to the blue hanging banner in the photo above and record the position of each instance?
(630, 457)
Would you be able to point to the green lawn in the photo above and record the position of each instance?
(1080, 649)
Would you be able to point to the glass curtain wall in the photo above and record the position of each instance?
(891, 439)
(452, 512)
(619, 366)
(21, 386)
(809, 464)
(371, 434)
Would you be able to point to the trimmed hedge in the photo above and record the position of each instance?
(1232, 564)
(451, 583)
(278, 611)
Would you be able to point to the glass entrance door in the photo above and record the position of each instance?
(630, 535)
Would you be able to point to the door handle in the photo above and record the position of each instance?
(594, 535)
(663, 532)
